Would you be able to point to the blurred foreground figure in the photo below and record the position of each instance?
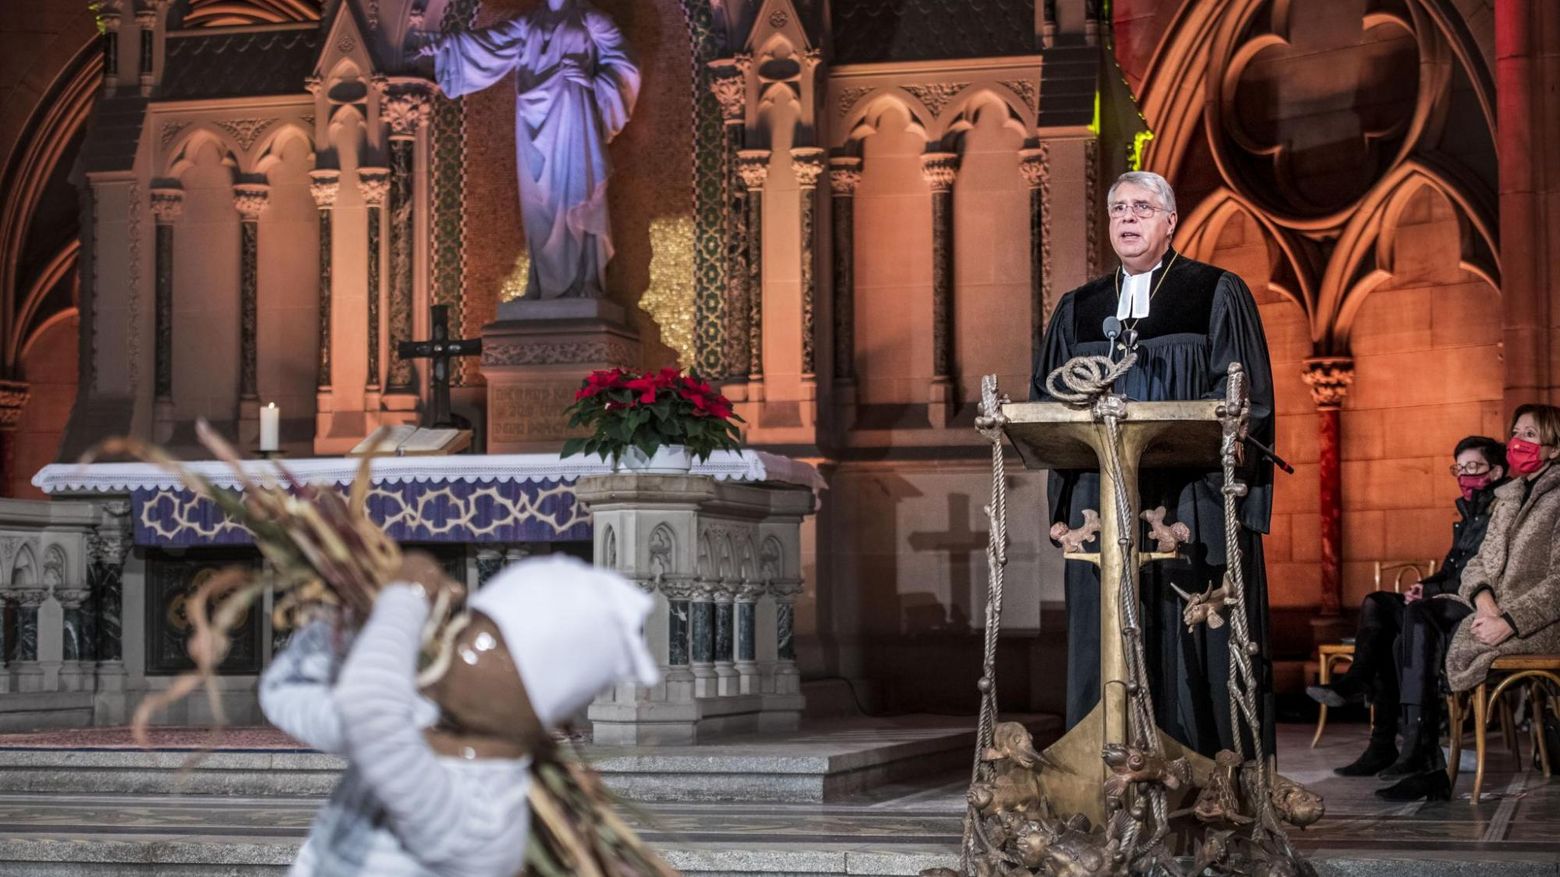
(438, 780)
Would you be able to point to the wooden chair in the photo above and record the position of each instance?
(1506, 676)
(1330, 655)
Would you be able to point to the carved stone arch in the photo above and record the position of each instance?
(348, 126)
(609, 547)
(662, 548)
(24, 568)
(55, 567)
(865, 116)
(1362, 261)
(268, 152)
(771, 559)
(961, 115)
(180, 153)
(747, 558)
(705, 566)
(726, 556)
(27, 327)
(1198, 235)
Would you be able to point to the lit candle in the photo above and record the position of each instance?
(270, 427)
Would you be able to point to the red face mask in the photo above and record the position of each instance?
(1472, 484)
(1524, 456)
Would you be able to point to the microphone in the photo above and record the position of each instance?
(1112, 327)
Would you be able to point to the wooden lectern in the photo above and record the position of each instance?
(1051, 435)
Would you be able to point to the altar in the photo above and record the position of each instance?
(719, 547)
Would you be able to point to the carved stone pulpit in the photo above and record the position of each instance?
(1051, 435)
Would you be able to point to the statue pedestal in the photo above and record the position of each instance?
(534, 358)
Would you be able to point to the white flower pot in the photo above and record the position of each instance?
(667, 460)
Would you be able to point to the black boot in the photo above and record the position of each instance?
(1338, 694)
(1431, 785)
(1378, 755)
(1421, 747)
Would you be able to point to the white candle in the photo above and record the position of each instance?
(270, 427)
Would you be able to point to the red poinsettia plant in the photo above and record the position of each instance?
(649, 411)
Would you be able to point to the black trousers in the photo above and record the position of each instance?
(1399, 650)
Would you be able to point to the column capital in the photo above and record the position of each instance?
(939, 170)
(407, 109)
(251, 200)
(315, 85)
(71, 598)
(146, 17)
(1329, 378)
(785, 589)
(324, 184)
(1034, 163)
(753, 168)
(844, 174)
(728, 83)
(807, 163)
(13, 398)
(109, 17)
(167, 204)
(374, 183)
(31, 598)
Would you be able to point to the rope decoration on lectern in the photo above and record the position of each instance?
(989, 423)
(1084, 379)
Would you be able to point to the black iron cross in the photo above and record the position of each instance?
(438, 351)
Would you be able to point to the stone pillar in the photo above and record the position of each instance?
(146, 21)
(108, 548)
(75, 651)
(13, 398)
(167, 204)
(374, 183)
(807, 164)
(1329, 378)
(1047, 23)
(939, 170)
(747, 597)
(729, 85)
(110, 19)
(28, 669)
(787, 680)
(1034, 164)
(677, 673)
(726, 682)
(408, 111)
(753, 168)
(701, 636)
(251, 200)
(324, 185)
(844, 177)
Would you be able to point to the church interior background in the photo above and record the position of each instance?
(847, 212)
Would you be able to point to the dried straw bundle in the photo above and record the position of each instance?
(324, 554)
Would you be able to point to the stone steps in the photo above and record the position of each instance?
(827, 761)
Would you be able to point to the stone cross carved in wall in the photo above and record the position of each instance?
(438, 350)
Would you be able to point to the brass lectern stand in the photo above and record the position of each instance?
(1051, 435)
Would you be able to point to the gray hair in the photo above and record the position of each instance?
(1148, 180)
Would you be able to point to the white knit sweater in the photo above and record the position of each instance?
(400, 810)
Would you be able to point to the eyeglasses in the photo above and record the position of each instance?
(1470, 468)
(1140, 209)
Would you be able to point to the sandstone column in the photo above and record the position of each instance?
(1033, 164)
(408, 110)
(374, 183)
(844, 177)
(807, 164)
(324, 185)
(167, 204)
(1329, 378)
(729, 85)
(13, 398)
(251, 200)
(753, 167)
(939, 170)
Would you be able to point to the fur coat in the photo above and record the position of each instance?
(1519, 563)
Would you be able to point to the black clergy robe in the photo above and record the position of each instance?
(1200, 320)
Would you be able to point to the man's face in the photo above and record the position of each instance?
(1139, 238)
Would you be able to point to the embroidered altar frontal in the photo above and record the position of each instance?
(508, 498)
(415, 511)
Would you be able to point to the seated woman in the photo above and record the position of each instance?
(1379, 651)
(1514, 580)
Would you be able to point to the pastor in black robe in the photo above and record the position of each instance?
(1201, 319)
